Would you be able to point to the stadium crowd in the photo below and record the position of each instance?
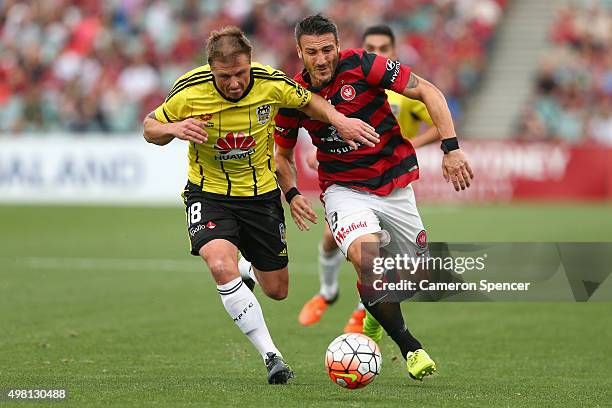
(572, 100)
(99, 66)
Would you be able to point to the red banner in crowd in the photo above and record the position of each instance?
(506, 170)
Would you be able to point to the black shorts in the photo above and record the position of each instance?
(255, 225)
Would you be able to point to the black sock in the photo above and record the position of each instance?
(389, 315)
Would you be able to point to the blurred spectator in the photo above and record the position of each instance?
(600, 124)
(100, 66)
(571, 101)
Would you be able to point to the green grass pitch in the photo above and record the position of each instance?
(106, 303)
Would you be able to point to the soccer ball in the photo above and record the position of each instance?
(353, 360)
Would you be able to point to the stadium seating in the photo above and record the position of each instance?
(88, 66)
(572, 99)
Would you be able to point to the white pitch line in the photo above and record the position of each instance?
(126, 264)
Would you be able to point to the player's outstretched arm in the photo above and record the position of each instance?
(352, 130)
(161, 134)
(286, 171)
(455, 166)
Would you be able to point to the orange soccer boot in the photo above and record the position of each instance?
(313, 310)
(355, 323)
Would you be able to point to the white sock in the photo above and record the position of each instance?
(244, 267)
(329, 266)
(243, 307)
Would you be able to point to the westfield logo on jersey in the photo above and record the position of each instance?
(235, 146)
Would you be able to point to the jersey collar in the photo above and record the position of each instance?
(244, 95)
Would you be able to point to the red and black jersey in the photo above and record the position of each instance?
(357, 90)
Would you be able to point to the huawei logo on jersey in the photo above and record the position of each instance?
(235, 146)
(234, 143)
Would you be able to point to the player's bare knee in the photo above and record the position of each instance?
(222, 267)
(222, 270)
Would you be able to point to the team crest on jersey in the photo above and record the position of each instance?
(283, 233)
(234, 146)
(348, 92)
(421, 239)
(263, 114)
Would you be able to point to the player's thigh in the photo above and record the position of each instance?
(362, 252)
(400, 216)
(328, 243)
(351, 214)
(263, 238)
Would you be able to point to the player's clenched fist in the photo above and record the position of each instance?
(189, 129)
(456, 169)
(311, 160)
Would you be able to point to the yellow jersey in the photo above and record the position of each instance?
(237, 160)
(409, 113)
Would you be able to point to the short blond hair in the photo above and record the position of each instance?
(227, 44)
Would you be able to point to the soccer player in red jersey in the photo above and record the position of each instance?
(369, 202)
(411, 115)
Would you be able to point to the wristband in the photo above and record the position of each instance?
(289, 195)
(450, 144)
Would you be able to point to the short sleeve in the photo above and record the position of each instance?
(173, 108)
(294, 95)
(385, 73)
(287, 126)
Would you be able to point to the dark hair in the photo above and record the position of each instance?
(226, 44)
(381, 30)
(315, 25)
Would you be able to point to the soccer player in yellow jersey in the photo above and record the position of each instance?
(411, 114)
(226, 110)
